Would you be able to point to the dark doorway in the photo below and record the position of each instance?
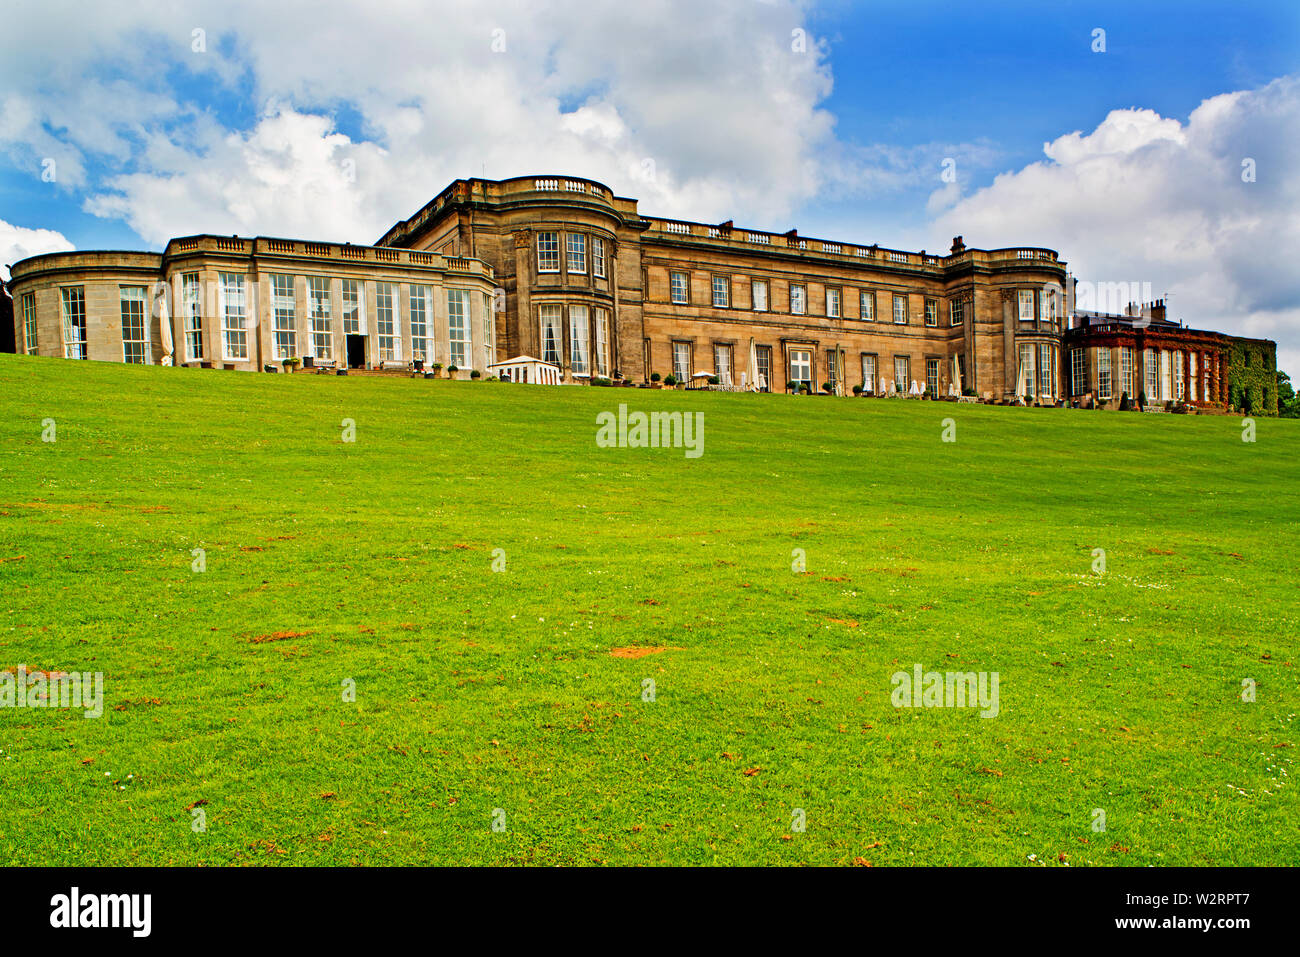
(356, 352)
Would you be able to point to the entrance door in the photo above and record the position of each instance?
(356, 351)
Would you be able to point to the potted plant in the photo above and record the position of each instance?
(827, 388)
(714, 380)
(291, 363)
(655, 380)
(451, 371)
(670, 381)
(792, 386)
(857, 390)
(475, 374)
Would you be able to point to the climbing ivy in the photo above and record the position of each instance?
(1252, 377)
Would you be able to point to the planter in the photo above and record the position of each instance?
(340, 371)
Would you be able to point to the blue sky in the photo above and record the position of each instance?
(842, 140)
(918, 73)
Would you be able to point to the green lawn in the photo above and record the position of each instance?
(479, 690)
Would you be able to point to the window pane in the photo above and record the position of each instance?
(418, 300)
(458, 326)
(234, 335)
(577, 252)
(550, 317)
(679, 287)
(74, 322)
(548, 252)
(191, 305)
(721, 291)
(390, 344)
(134, 343)
(284, 323)
(322, 335)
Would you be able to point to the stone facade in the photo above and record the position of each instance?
(250, 303)
(799, 303)
(562, 269)
(1144, 356)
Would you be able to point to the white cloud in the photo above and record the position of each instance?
(718, 104)
(1146, 198)
(19, 242)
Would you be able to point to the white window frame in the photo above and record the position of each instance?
(1026, 305)
(798, 299)
(721, 286)
(931, 312)
(1104, 384)
(284, 316)
(722, 364)
(548, 315)
(602, 342)
(681, 360)
(1028, 384)
(801, 370)
(1126, 371)
(387, 319)
(932, 386)
(575, 253)
(1046, 371)
(192, 307)
(833, 304)
(684, 297)
(29, 323)
(758, 294)
(598, 257)
(1078, 371)
(320, 317)
(458, 328)
(900, 309)
(869, 374)
(548, 252)
(579, 340)
(867, 305)
(73, 310)
(352, 294)
(234, 316)
(903, 363)
(135, 326)
(420, 310)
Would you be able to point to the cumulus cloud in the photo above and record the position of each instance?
(696, 115)
(19, 242)
(1145, 198)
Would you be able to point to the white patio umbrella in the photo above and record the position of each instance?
(914, 390)
(165, 330)
(753, 365)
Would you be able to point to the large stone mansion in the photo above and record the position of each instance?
(563, 270)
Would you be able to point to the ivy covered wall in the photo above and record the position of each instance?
(1252, 377)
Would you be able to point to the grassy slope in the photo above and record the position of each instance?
(478, 690)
